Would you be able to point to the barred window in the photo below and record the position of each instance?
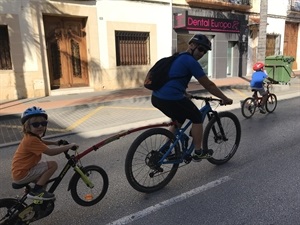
(76, 61)
(132, 48)
(5, 59)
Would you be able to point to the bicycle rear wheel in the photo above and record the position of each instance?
(9, 209)
(248, 107)
(271, 103)
(143, 170)
(84, 195)
(224, 146)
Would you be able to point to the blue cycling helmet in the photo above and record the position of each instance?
(33, 111)
(202, 40)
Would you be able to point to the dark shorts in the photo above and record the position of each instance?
(178, 110)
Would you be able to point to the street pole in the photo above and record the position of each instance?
(171, 12)
(262, 35)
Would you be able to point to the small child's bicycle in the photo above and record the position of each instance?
(251, 104)
(155, 155)
(88, 186)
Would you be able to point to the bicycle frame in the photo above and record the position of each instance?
(72, 162)
(257, 98)
(181, 137)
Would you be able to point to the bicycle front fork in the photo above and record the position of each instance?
(84, 177)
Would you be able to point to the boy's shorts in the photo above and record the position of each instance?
(34, 173)
(261, 91)
(178, 110)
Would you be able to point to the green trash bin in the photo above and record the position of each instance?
(279, 67)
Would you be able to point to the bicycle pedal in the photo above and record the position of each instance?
(196, 160)
(38, 202)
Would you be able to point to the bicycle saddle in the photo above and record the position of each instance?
(19, 186)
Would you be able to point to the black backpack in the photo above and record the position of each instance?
(158, 75)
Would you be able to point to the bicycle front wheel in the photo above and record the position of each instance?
(84, 195)
(223, 138)
(248, 107)
(9, 209)
(271, 103)
(143, 170)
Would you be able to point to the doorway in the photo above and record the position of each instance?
(66, 51)
(290, 41)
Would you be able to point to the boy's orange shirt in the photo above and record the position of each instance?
(28, 154)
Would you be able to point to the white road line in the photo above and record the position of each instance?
(169, 202)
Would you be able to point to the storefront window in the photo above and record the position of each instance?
(230, 58)
(205, 61)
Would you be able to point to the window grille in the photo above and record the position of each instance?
(5, 59)
(76, 62)
(295, 5)
(55, 59)
(132, 48)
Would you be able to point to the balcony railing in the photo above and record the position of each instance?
(295, 5)
(242, 5)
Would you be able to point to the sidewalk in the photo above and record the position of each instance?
(56, 102)
(104, 112)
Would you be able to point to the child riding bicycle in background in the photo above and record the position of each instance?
(27, 165)
(257, 83)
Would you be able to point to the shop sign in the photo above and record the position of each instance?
(187, 22)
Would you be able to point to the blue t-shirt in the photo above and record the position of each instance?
(258, 78)
(184, 67)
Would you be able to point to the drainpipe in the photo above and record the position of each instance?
(171, 15)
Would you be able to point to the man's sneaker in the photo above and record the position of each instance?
(202, 154)
(40, 195)
(262, 110)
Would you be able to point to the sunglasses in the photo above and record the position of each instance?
(201, 49)
(38, 124)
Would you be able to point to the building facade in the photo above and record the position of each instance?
(46, 45)
(52, 47)
(282, 31)
(226, 29)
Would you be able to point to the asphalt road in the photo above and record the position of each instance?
(259, 185)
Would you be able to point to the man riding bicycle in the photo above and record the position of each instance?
(173, 100)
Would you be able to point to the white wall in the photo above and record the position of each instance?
(136, 13)
(21, 8)
(277, 26)
(278, 7)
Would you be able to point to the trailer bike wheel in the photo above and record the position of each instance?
(87, 196)
(223, 138)
(143, 167)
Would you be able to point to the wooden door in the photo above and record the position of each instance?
(66, 51)
(270, 46)
(290, 41)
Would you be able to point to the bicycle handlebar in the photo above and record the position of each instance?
(271, 81)
(64, 142)
(206, 99)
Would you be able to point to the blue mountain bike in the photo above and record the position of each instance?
(155, 155)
